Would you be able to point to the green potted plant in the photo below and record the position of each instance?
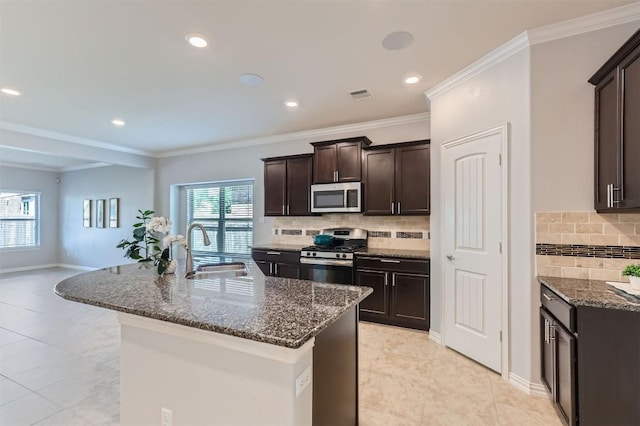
(633, 272)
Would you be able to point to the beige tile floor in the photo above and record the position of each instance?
(59, 365)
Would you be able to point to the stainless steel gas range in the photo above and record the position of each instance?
(333, 262)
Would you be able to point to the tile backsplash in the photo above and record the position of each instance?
(586, 244)
(394, 232)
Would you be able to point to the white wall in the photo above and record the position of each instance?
(244, 163)
(18, 179)
(497, 95)
(562, 115)
(96, 247)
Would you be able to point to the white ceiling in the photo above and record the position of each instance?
(81, 63)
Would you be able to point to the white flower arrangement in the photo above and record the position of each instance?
(170, 240)
(159, 224)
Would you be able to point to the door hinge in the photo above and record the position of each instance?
(500, 159)
(500, 246)
(501, 336)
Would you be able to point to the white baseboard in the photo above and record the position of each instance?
(530, 388)
(50, 265)
(435, 336)
(81, 268)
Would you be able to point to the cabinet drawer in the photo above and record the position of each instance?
(393, 264)
(276, 256)
(564, 312)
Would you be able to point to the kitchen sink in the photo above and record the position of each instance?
(233, 269)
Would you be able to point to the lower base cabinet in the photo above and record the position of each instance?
(400, 291)
(590, 362)
(272, 263)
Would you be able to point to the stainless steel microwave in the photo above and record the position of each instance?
(336, 198)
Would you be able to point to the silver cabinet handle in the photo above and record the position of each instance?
(552, 332)
(283, 210)
(393, 208)
(276, 269)
(287, 209)
(389, 261)
(613, 196)
(393, 281)
(546, 330)
(270, 268)
(386, 280)
(337, 175)
(450, 257)
(398, 207)
(609, 195)
(549, 298)
(273, 252)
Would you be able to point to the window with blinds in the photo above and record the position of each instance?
(225, 209)
(19, 219)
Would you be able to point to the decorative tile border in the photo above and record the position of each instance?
(379, 234)
(311, 232)
(417, 235)
(580, 250)
(292, 232)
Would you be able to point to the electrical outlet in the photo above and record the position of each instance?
(303, 381)
(166, 417)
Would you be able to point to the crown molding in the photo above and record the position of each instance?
(28, 166)
(307, 134)
(593, 22)
(35, 131)
(584, 24)
(85, 166)
(510, 48)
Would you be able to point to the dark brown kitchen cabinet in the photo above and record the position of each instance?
(400, 291)
(397, 179)
(287, 183)
(338, 160)
(589, 361)
(558, 367)
(617, 129)
(274, 263)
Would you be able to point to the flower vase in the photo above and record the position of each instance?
(171, 267)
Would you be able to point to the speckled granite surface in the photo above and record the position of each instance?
(279, 311)
(593, 293)
(281, 247)
(407, 254)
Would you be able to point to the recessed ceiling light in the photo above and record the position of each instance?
(197, 40)
(10, 92)
(291, 103)
(397, 40)
(412, 78)
(118, 122)
(251, 79)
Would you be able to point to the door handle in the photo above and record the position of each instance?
(274, 252)
(450, 258)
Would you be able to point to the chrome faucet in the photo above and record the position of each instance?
(189, 262)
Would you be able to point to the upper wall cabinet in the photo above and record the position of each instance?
(617, 129)
(339, 160)
(287, 184)
(397, 179)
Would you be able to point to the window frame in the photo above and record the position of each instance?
(37, 220)
(221, 221)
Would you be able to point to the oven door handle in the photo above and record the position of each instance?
(329, 262)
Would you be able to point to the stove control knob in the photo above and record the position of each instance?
(314, 253)
(337, 254)
(308, 254)
(344, 256)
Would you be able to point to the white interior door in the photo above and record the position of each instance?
(473, 197)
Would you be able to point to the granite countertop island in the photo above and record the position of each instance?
(279, 311)
(593, 293)
(231, 347)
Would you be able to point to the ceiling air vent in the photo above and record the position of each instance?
(361, 95)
